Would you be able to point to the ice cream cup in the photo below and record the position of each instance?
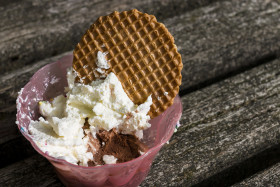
(49, 82)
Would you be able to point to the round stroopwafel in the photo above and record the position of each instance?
(139, 50)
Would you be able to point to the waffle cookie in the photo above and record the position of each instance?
(139, 50)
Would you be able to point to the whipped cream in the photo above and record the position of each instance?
(109, 159)
(101, 60)
(103, 103)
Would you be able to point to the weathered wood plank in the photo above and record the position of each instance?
(225, 37)
(33, 30)
(222, 125)
(268, 177)
(34, 171)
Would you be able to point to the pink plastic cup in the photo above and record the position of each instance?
(49, 82)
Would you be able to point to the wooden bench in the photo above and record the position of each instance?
(230, 88)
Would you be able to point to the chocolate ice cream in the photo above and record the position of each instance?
(124, 147)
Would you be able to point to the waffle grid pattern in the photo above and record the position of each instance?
(141, 52)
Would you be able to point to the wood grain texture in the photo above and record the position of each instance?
(268, 177)
(225, 37)
(32, 30)
(34, 171)
(223, 125)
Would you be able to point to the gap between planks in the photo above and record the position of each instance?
(267, 177)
